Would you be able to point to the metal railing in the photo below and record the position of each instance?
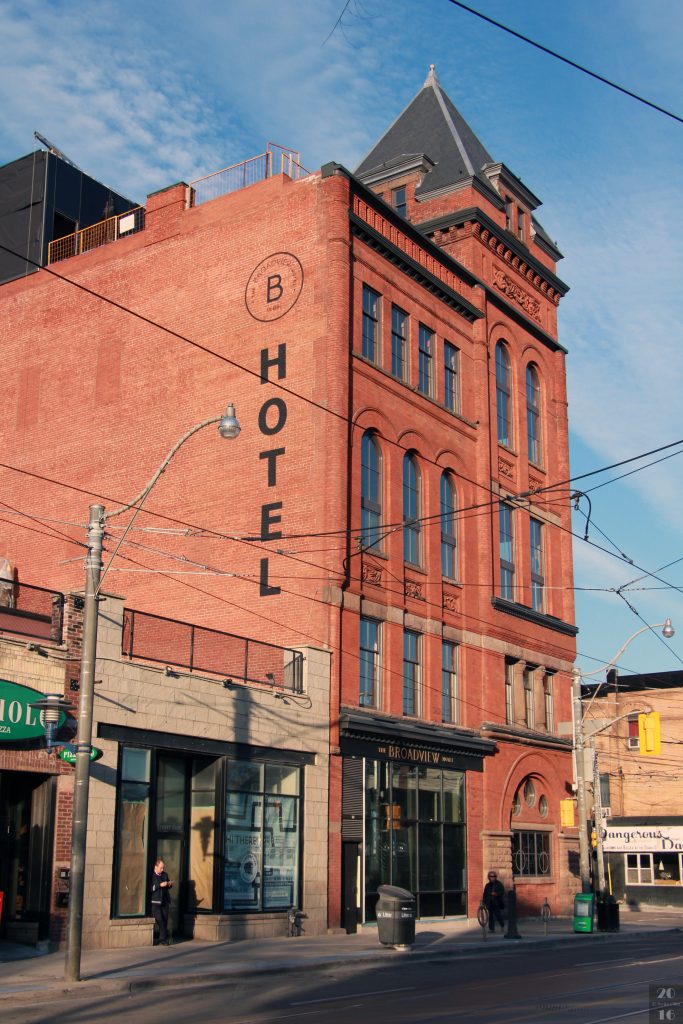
(105, 231)
(275, 160)
(198, 649)
(31, 611)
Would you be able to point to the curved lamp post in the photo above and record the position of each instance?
(579, 743)
(228, 427)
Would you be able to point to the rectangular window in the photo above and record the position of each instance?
(449, 682)
(520, 223)
(370, 632)
(371, 333)
(132, 833)
(507, 552)
(548, 702)
(531, 854)
(508, 213)
(411, 672)
(262, 827)
(399, 200)
(399, 343)
(510, 691)
(425, 362)
(451, 377)
(202, 829)
(536, 557)
(633, 741)
(638, 868)
(605, 790)
(528, 676)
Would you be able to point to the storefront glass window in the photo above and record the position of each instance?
(415, 836)
(130, 887)
(281, 853)
(261, 837)
(202, 833)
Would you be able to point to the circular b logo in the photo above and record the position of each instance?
(274, 286)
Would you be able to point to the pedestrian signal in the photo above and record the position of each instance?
(649, 734)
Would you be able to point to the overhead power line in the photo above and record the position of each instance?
(566, 60)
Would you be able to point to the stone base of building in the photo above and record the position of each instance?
(234, 927)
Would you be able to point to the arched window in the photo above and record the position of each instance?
(503, 395)
(411, 510)
(533, 415)
(371, 493)
(449, 551)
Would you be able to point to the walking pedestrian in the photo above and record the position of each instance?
(494, 900)
(161, 900)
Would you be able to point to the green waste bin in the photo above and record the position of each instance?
(584, 904)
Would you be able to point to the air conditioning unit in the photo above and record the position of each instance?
(633, 743)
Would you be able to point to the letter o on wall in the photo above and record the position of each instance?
(264, 426)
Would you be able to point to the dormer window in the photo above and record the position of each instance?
(508, 213)
(520, 223)
(399, 200)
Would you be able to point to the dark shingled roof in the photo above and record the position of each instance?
(430, 125)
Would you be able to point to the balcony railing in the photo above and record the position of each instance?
(234, 658)
(275, 160)
(105, 231)
(31, 611)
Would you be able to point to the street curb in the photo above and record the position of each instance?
(232, 975)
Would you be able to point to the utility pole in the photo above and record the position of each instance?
(584, 861)
(93, 569)
(597, 813)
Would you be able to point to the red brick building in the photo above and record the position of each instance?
(389, 339)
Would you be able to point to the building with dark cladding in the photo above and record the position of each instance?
(45, 198)
(389, 339)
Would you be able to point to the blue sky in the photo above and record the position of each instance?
(142, 95)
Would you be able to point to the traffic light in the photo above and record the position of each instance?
(649, 734)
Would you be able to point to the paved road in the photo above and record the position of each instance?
(571, 985)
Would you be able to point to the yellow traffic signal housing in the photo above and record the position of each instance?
(649, 734)
(567, 813)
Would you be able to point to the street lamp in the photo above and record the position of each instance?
(229, 428)
(579, 745)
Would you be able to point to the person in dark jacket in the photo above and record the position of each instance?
(494, 900)
(161, 900)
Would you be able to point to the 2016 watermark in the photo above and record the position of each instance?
(665, 1003)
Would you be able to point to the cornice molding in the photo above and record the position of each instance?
(473, 213)
(521, 611)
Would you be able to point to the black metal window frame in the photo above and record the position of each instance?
(531, 853)
(425, 360)
(370, 341)
(451, 377)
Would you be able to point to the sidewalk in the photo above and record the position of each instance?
(27, 975)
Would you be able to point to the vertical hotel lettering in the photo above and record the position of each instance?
(271, 420)
(272, 290)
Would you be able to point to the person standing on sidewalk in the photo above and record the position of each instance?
(161, 900)
(494, 900)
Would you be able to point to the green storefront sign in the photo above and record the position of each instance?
(18, 720)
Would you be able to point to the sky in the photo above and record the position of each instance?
(144, 95)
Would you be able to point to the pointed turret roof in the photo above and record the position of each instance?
(430, 127)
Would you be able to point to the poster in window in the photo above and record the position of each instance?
(243, 859)
(281, 853)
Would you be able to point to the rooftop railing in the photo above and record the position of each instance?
(31, 611)
(235, 658)
(105, 231)
(275, 160)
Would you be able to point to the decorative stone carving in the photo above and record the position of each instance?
(529, 304)
(414, 589)
(450, 602)
(372, 574)
(505, 468)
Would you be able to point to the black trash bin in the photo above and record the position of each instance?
(601, 913)
(611, 915)
(395, 916)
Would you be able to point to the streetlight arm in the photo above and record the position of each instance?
(623, 647)
(627, 714)
(141, 497)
